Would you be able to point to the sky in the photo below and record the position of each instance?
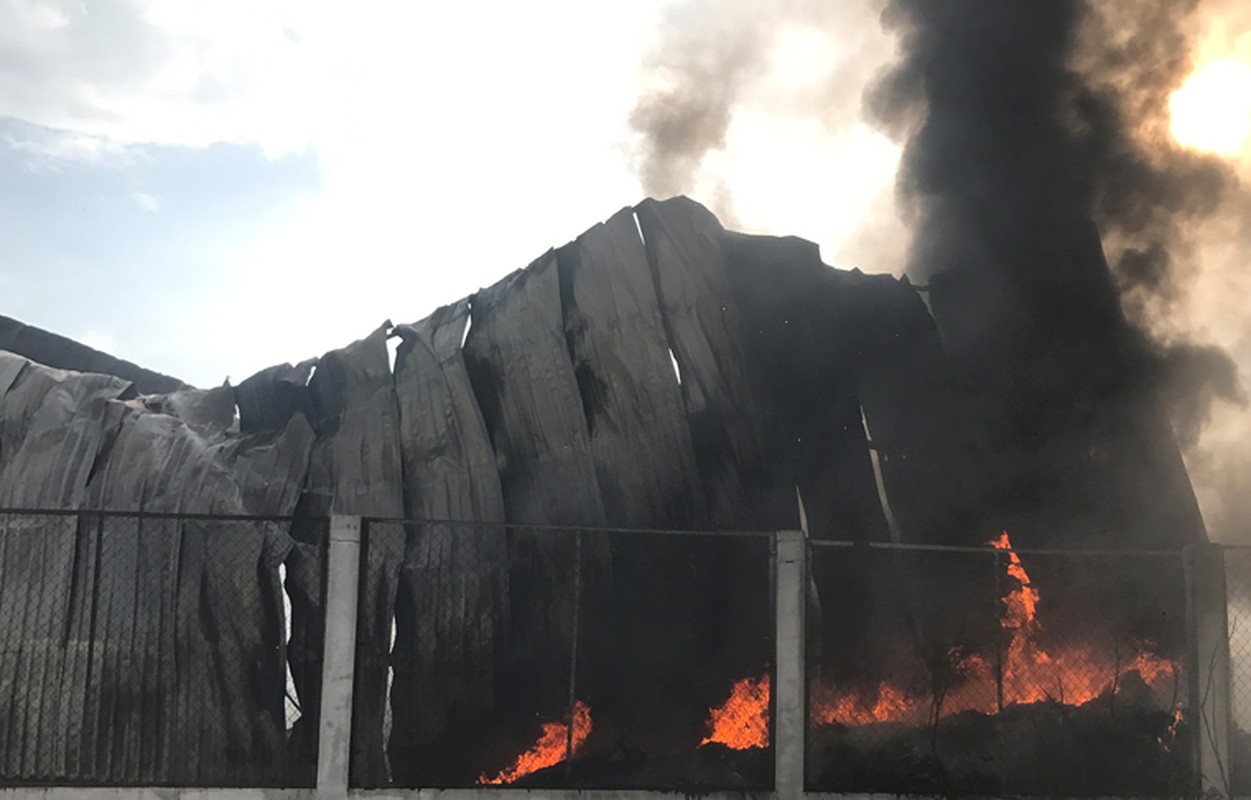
(209, 188)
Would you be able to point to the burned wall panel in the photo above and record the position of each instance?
(683, 242)
(53, 425)
(519, 364)
(803, 354)
(452, 612)
(355, 468)
(648, 473)
(639, 436)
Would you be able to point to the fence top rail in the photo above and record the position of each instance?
(171, 515)
(816, 543)
(989, 550)
(463, 523)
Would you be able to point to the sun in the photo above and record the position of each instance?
(1212, 109)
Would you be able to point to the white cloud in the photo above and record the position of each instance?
(146, 202)
(456, 142)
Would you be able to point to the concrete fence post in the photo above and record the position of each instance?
(334, 741)
(790, 694)
(1208, 666)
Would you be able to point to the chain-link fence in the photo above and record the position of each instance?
(1238, 593)
(989, 672)
(146, 649)
(554, 657)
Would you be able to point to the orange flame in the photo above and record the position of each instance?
(886, 704)
(1074, 675)
(549, 749)
(742, 721)
(1022, 602)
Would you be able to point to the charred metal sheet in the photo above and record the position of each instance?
(11, 365)
(525, 384)
(648, 474)
(452, 610)
(355, 468)
(518, 361)
(640, 440)
(271, 397)
(683, 242)
(57, 351)
(53, 425)
(803, 354)
(270, 467)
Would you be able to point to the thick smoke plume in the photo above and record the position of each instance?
(1036, 140)
(1022, 122)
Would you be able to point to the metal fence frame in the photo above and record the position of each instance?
(1207, 625)
(579, 541)
(236, 525)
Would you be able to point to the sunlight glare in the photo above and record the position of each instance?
(1212, 109)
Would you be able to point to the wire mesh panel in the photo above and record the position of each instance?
(1238, 589)
(991, 672)
(541, 657)
(150, 650)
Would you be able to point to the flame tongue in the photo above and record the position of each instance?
(742, 722)
(1022, 602)
(1073, 673)
(549, 749)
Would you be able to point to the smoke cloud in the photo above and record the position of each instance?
(1022, 120)
(1036, 141)
(737, 90)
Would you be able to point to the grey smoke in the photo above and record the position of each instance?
(709, 55)
(705, 58)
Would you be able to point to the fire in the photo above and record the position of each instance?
(1073, 675)
(550, 749)
(742, 721)
(1022, 602)
(886, 704)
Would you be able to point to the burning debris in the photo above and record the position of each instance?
(1023, 672)
(742, 721)
(557, 744)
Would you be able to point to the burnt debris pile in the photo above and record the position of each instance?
(658, 372)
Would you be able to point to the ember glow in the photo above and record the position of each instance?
(1072, 674)
(549, 749)
(742, 721)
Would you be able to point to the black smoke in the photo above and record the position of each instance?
(1032, 131)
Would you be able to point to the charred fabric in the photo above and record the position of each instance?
(657, 372)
